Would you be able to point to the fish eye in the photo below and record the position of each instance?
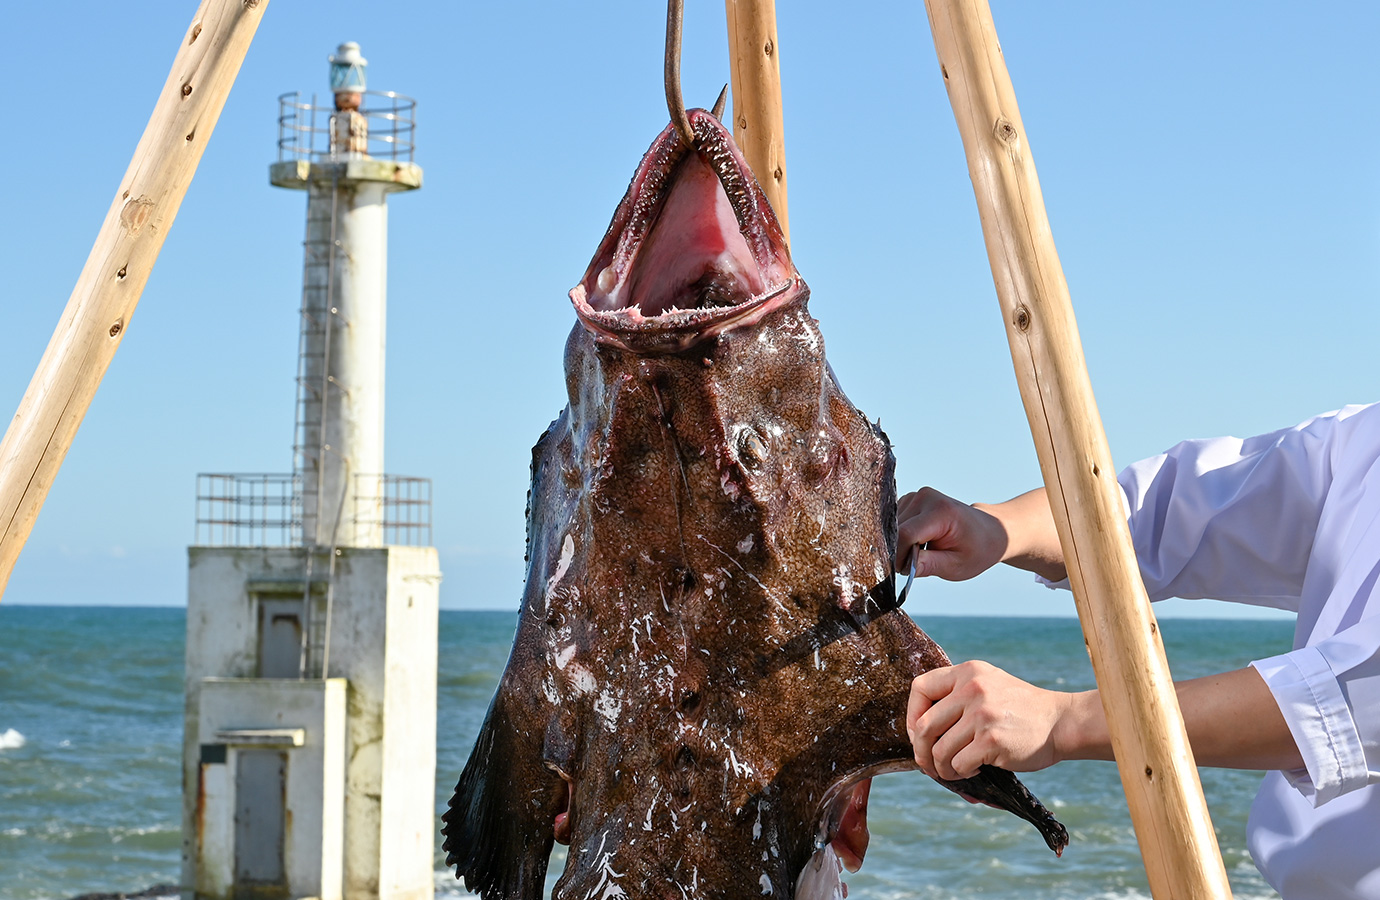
(752, 450)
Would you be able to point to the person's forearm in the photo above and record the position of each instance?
(1032, 543)
(1232, 720)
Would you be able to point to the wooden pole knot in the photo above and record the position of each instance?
(117, 327)
(1021, 319)
(135, 213)
(1005, 131)
(187, 89)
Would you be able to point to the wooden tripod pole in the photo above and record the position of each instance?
(113, 278)
(758, 126)
(1156, 764)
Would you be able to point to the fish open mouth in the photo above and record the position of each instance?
(841, 835)
(694, 249)
(840, 843)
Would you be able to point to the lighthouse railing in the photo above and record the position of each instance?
(402, 504)
(235, 509)
(264, 509)
(304, 127)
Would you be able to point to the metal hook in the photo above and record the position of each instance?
(720, 104)
(674, 103)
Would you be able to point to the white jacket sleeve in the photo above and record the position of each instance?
(1228, 518)
(1329, 694)
(1236, 520)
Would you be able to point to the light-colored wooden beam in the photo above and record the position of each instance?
(758, 127)
(1156, 764)
(99, 310)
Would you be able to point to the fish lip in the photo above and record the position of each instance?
(678, 329)
(829, 811)
(673, 332)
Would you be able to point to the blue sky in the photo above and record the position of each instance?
(1209, 169)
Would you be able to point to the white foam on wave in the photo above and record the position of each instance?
(11, 740)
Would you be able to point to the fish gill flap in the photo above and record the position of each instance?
(499, 826)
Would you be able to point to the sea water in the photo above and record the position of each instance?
(91, 736)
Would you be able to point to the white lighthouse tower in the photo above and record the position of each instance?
(309, 757)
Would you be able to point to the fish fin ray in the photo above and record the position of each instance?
(499, 825)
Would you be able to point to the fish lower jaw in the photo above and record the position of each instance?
(679, 329)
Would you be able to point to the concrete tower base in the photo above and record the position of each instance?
(310, 754)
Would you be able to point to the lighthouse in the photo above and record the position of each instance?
(309, 751)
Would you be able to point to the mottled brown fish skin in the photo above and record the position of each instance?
(708, 644)
(707, 641)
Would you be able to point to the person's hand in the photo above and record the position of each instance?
(963, 541)
(973, 714)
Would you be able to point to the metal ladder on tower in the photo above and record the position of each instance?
(320, 251)
(318, 259)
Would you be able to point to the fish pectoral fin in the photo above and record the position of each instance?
(1001, 789)
(500, 824)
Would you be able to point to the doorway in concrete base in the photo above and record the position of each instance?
(280, 636)
(260, 824)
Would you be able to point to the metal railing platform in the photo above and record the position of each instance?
(264, 509)
(304, 127)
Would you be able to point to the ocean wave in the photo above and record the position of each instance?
(11, 740)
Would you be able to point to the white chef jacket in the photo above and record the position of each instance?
(1290, 520)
